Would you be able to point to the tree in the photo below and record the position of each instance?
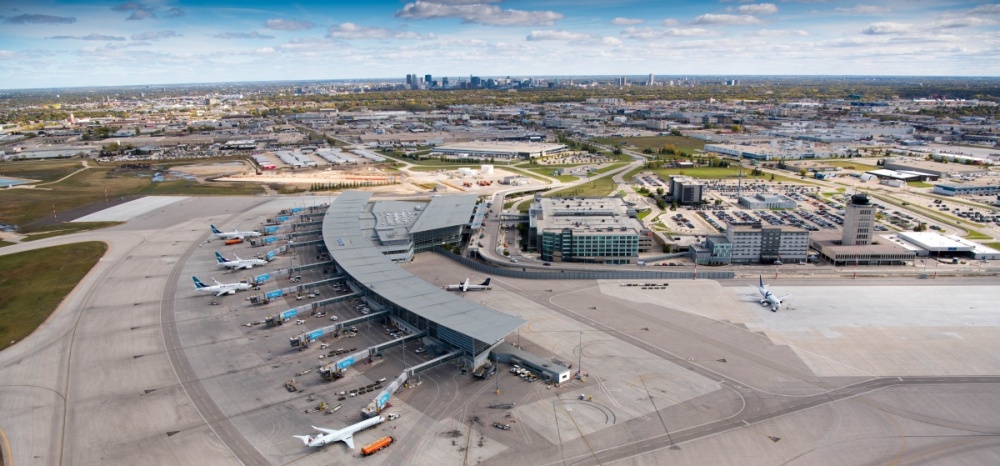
(659, 191)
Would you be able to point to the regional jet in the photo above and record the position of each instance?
(465, 286)
(345, 435)
(235, 234)
(768, 298)
(238, 263)
(221, 288)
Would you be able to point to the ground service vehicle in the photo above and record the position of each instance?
(376, 445)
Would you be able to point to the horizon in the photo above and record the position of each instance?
(575, 76)
(56, 44)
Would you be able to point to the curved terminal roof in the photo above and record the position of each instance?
(359, 258)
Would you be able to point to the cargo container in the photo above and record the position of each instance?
(376, 445)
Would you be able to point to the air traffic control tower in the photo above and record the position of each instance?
(456, 322)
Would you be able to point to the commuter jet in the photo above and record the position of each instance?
(220, 288)
(768, 298)
(465, 286)
(238, 263)
(345, 435)
(235, 234)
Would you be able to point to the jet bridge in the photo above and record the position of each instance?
(303, 339)
(378, 403)
(335, 370)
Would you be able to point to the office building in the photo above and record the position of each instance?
(859, 221)
(650, 81)
(685, 190)
(602, 230)
(767, 201)
(767, 243)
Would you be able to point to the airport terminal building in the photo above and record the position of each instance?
(355, 246)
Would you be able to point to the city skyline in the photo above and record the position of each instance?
(70, 44)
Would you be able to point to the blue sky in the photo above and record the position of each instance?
(85, 43)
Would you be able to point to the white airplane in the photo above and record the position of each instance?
(465, 286)
(768, 298)
(345, 435)
(234, 234)
(221, 288)
(238, 263)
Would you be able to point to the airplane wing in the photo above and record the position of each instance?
(349, 440)
(325, 431)
(220, 293)
(783, 297)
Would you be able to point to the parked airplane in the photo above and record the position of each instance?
(345, 435)
(220, 288)
(238, 263)
(234, 234)
(768, 298)
(465, 286)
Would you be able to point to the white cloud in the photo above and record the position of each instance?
(478, 14)
(242, 35)
(155, 35)
(264, 51)
(886, 27)
(963, 22)
(89, 37)
(468, 43)
(732, 20)
(611, 41)
(282, 24)
(781, 32)
(354, 31)
(651, 33)
(990, 9)
(670, 22)
(862, 10)
(557, 35)
(619, 21)
(758, 9)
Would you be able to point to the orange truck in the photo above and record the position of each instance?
(234, 241)
(377, 445)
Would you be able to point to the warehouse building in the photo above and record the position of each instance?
(502, 150)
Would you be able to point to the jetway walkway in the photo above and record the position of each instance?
(414, 370)
(398, 341)
(364, 318)
(378, 403)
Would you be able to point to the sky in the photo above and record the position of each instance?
(48, 43)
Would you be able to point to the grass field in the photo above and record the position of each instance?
(850, 163)
(919, 184)
(597, 187)
(66, 228)
(681, 143)
(705, 172)
(33, 283)
(23, 206)
(993, 245)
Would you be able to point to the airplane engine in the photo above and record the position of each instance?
(764, 303)
(231, 292)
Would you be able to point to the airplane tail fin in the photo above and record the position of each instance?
(762, 281)
(305, 439)
(215, 230)
(486, 283)
(197, 283)
(218, 257)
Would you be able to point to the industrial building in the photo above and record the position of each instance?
(942, 170)
(685, 190)
(767, 201)
(951, 189)
(601, 230)
(903, 175)
(927, 243)
(457, 323)
(503, 150)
